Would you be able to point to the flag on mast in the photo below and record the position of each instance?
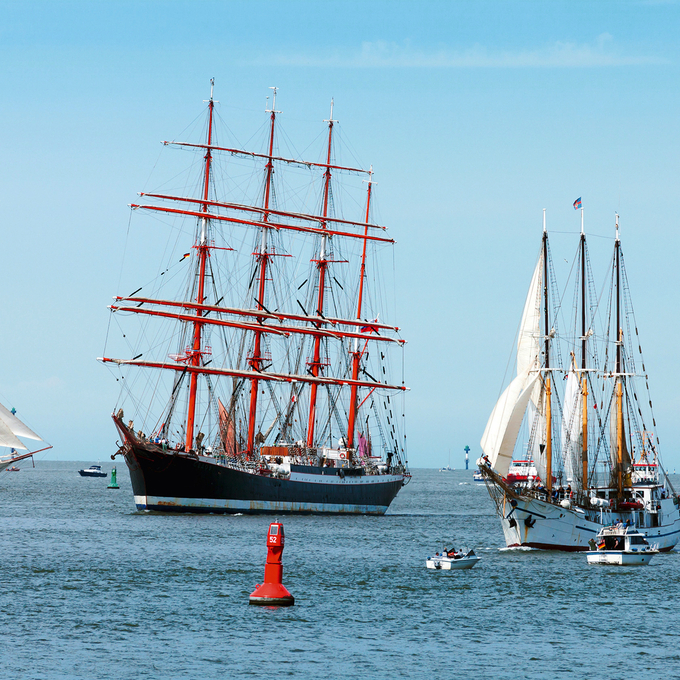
(577, 203)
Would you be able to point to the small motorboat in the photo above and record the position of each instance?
(620, 544)
(93, 471)
(478, 477)
(14, 468)
(465, 559)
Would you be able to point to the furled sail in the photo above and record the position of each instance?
(500, 435)
(11, 428)
(572, 425)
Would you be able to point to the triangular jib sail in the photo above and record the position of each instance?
(502, 429)
(11, 428)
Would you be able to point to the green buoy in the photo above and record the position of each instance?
(113, 484)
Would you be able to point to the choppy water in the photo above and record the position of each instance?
(94, 589)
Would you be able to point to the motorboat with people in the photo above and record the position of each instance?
(621, 544)
(93, 471)
(452, 559)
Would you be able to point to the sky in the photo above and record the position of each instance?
(475, 115)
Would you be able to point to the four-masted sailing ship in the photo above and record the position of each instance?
(261, 382)
(594, 458)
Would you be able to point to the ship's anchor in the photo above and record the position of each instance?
(529, 521)
(120, 452)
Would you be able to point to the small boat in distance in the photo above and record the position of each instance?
(478, 477)
(14, 468)
(465, 559)
(620, 544)
(448, 468)
(93, 471)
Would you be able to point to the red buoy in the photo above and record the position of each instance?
(272, 591)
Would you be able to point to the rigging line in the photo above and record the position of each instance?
(120, 275)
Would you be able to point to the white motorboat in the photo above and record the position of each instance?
(623, 545)
(93, 471)
(453, 560)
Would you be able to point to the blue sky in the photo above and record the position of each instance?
(475, 115)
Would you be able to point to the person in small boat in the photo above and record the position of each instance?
(451, 553)
(592, 544)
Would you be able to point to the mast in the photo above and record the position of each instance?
(322, 266)
(198, 316)
(548, 414)
(584, 377)
(263, 257)
(202, 248)
(356, 354)
(619, 376)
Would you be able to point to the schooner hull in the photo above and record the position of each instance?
(538, 524)
(174, 482)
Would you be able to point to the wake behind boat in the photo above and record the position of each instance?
(264, 380)
(604, 464)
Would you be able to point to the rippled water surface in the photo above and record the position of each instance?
(94, 589)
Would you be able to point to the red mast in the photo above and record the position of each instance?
(263, 258)
(357, 353)
(202, 248)
(322, 265)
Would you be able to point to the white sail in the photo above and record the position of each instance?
(500, 435)
(572, 425)
(528, 341)
(7, 438)
(16, 427)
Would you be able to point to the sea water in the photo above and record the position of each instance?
(92, 588)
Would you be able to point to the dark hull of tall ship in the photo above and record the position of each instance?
(169, 481)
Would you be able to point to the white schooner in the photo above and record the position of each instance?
(595, 460)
